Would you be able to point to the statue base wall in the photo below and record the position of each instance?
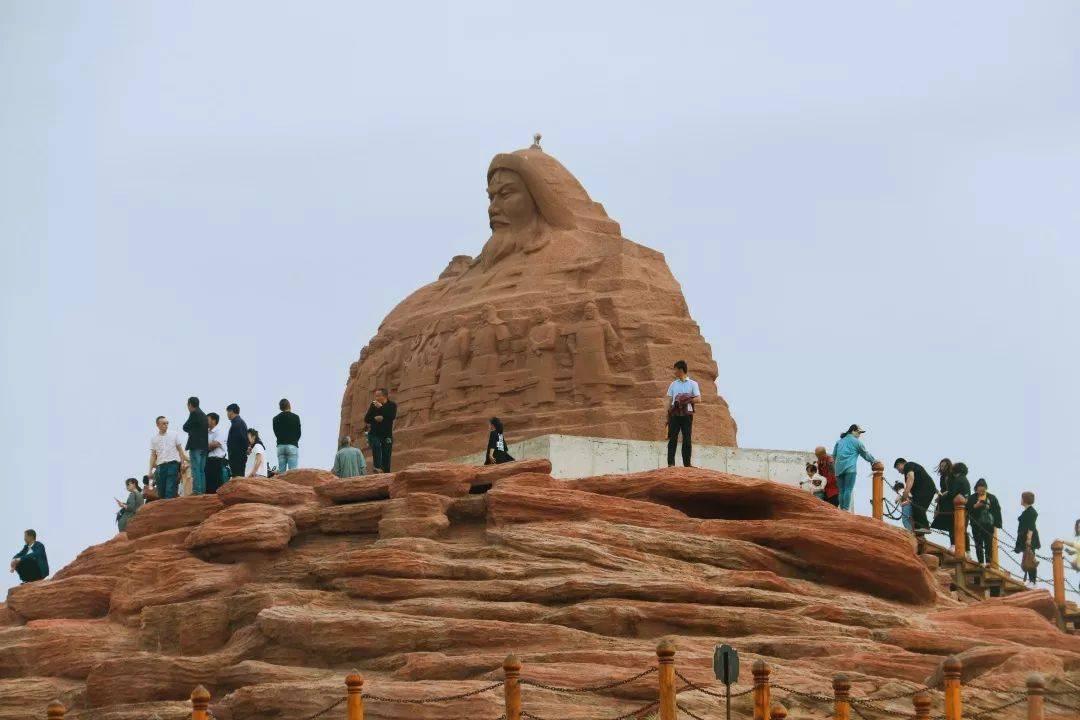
(573, 457)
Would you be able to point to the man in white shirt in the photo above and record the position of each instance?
(682, 396)
(217, 459)
(166, 455)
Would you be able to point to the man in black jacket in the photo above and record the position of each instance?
(380, 421)
(198, 444)
(31, 562)
(287, 434)
(918, 490)
(237, 443)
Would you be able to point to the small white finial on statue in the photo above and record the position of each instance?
(536, 142)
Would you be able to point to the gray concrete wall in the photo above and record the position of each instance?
(573, 457)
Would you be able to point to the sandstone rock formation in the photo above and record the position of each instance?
(424, 584)
(560, 324)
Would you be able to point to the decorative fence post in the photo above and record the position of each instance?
(1036, 688)
(762, 695)
(960, 525)
(841, 686)
(922, 704)
(354, 705)
(779, 712)
(879, 490)
(665, 655)
(200, 702)
(512, 687)
(56, 710)
(954, 709)
(994, 551)
(1059, 573)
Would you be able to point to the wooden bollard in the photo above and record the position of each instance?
(959, 524)
(56, 710)
(922, 704)
(994, 551)
(779, 712)
(354, 703)
(200, 702)
(954, 708)
(762, 695)
(512, 687)
(1036, 689)
(665, 656)
(878, 490)
(841, 687)
(1059, 572)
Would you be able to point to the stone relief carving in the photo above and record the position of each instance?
(541, 358)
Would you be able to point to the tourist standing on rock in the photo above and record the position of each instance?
(984, 514)
(237, 443)
(496, 447)
(349, 461)
(380, 422)
(682, 395)
(257, 465)
(813, 483)
(198, 444)
(956, 483)
(287, 433)
(166, 455)
(847, 451)
(1075, 549)
(1027, 537)
(217, 461)
(31, 562)
(918, 491)
(129, 507)
(826, 467)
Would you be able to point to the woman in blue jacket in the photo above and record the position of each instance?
(846, 454)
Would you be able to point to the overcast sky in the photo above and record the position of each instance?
(873, 209)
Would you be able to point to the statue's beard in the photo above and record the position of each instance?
(506, 241)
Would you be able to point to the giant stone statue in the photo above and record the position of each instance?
(559, 325)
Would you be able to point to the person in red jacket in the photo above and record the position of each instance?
(827, 469)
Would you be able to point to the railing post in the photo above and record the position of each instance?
(512, 687)
(665, 655)
(1036, 688)
(56, 710)
(762, 695)
(779, 712)
(959, 520)
(1059, 572)
(879, 490)
(354, 704)
(200, 702)
(922, 704)
(841, 686)
(994, 551)
(954, 709)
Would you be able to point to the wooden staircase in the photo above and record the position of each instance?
(980, 582)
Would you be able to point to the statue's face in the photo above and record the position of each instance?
(590, 312)
(510, 204)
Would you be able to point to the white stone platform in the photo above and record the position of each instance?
(573, 457)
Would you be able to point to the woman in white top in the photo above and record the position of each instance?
(813, 482)
(256, 459)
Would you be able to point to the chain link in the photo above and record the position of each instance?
(800, 693)
(691, 685)
(327, 709)
(589, 688)
(692, 715)
(428, 701)
(632, 715)
(1061, 704)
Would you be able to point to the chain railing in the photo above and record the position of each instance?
(667, 705)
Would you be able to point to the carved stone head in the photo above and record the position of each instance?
(591, 311)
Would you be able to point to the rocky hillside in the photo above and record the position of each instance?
(271, 591)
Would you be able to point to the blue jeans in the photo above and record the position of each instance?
(846, 483)
(905, 517)
(198, 471)
(288, 458)
(381, 448)
(166, 476)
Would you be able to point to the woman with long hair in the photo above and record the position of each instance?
(957, 486)
(256, 460)
(496, 447)
(128, 509)
(942, 514)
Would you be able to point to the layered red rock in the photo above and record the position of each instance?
(427, 592)
(558, 325)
